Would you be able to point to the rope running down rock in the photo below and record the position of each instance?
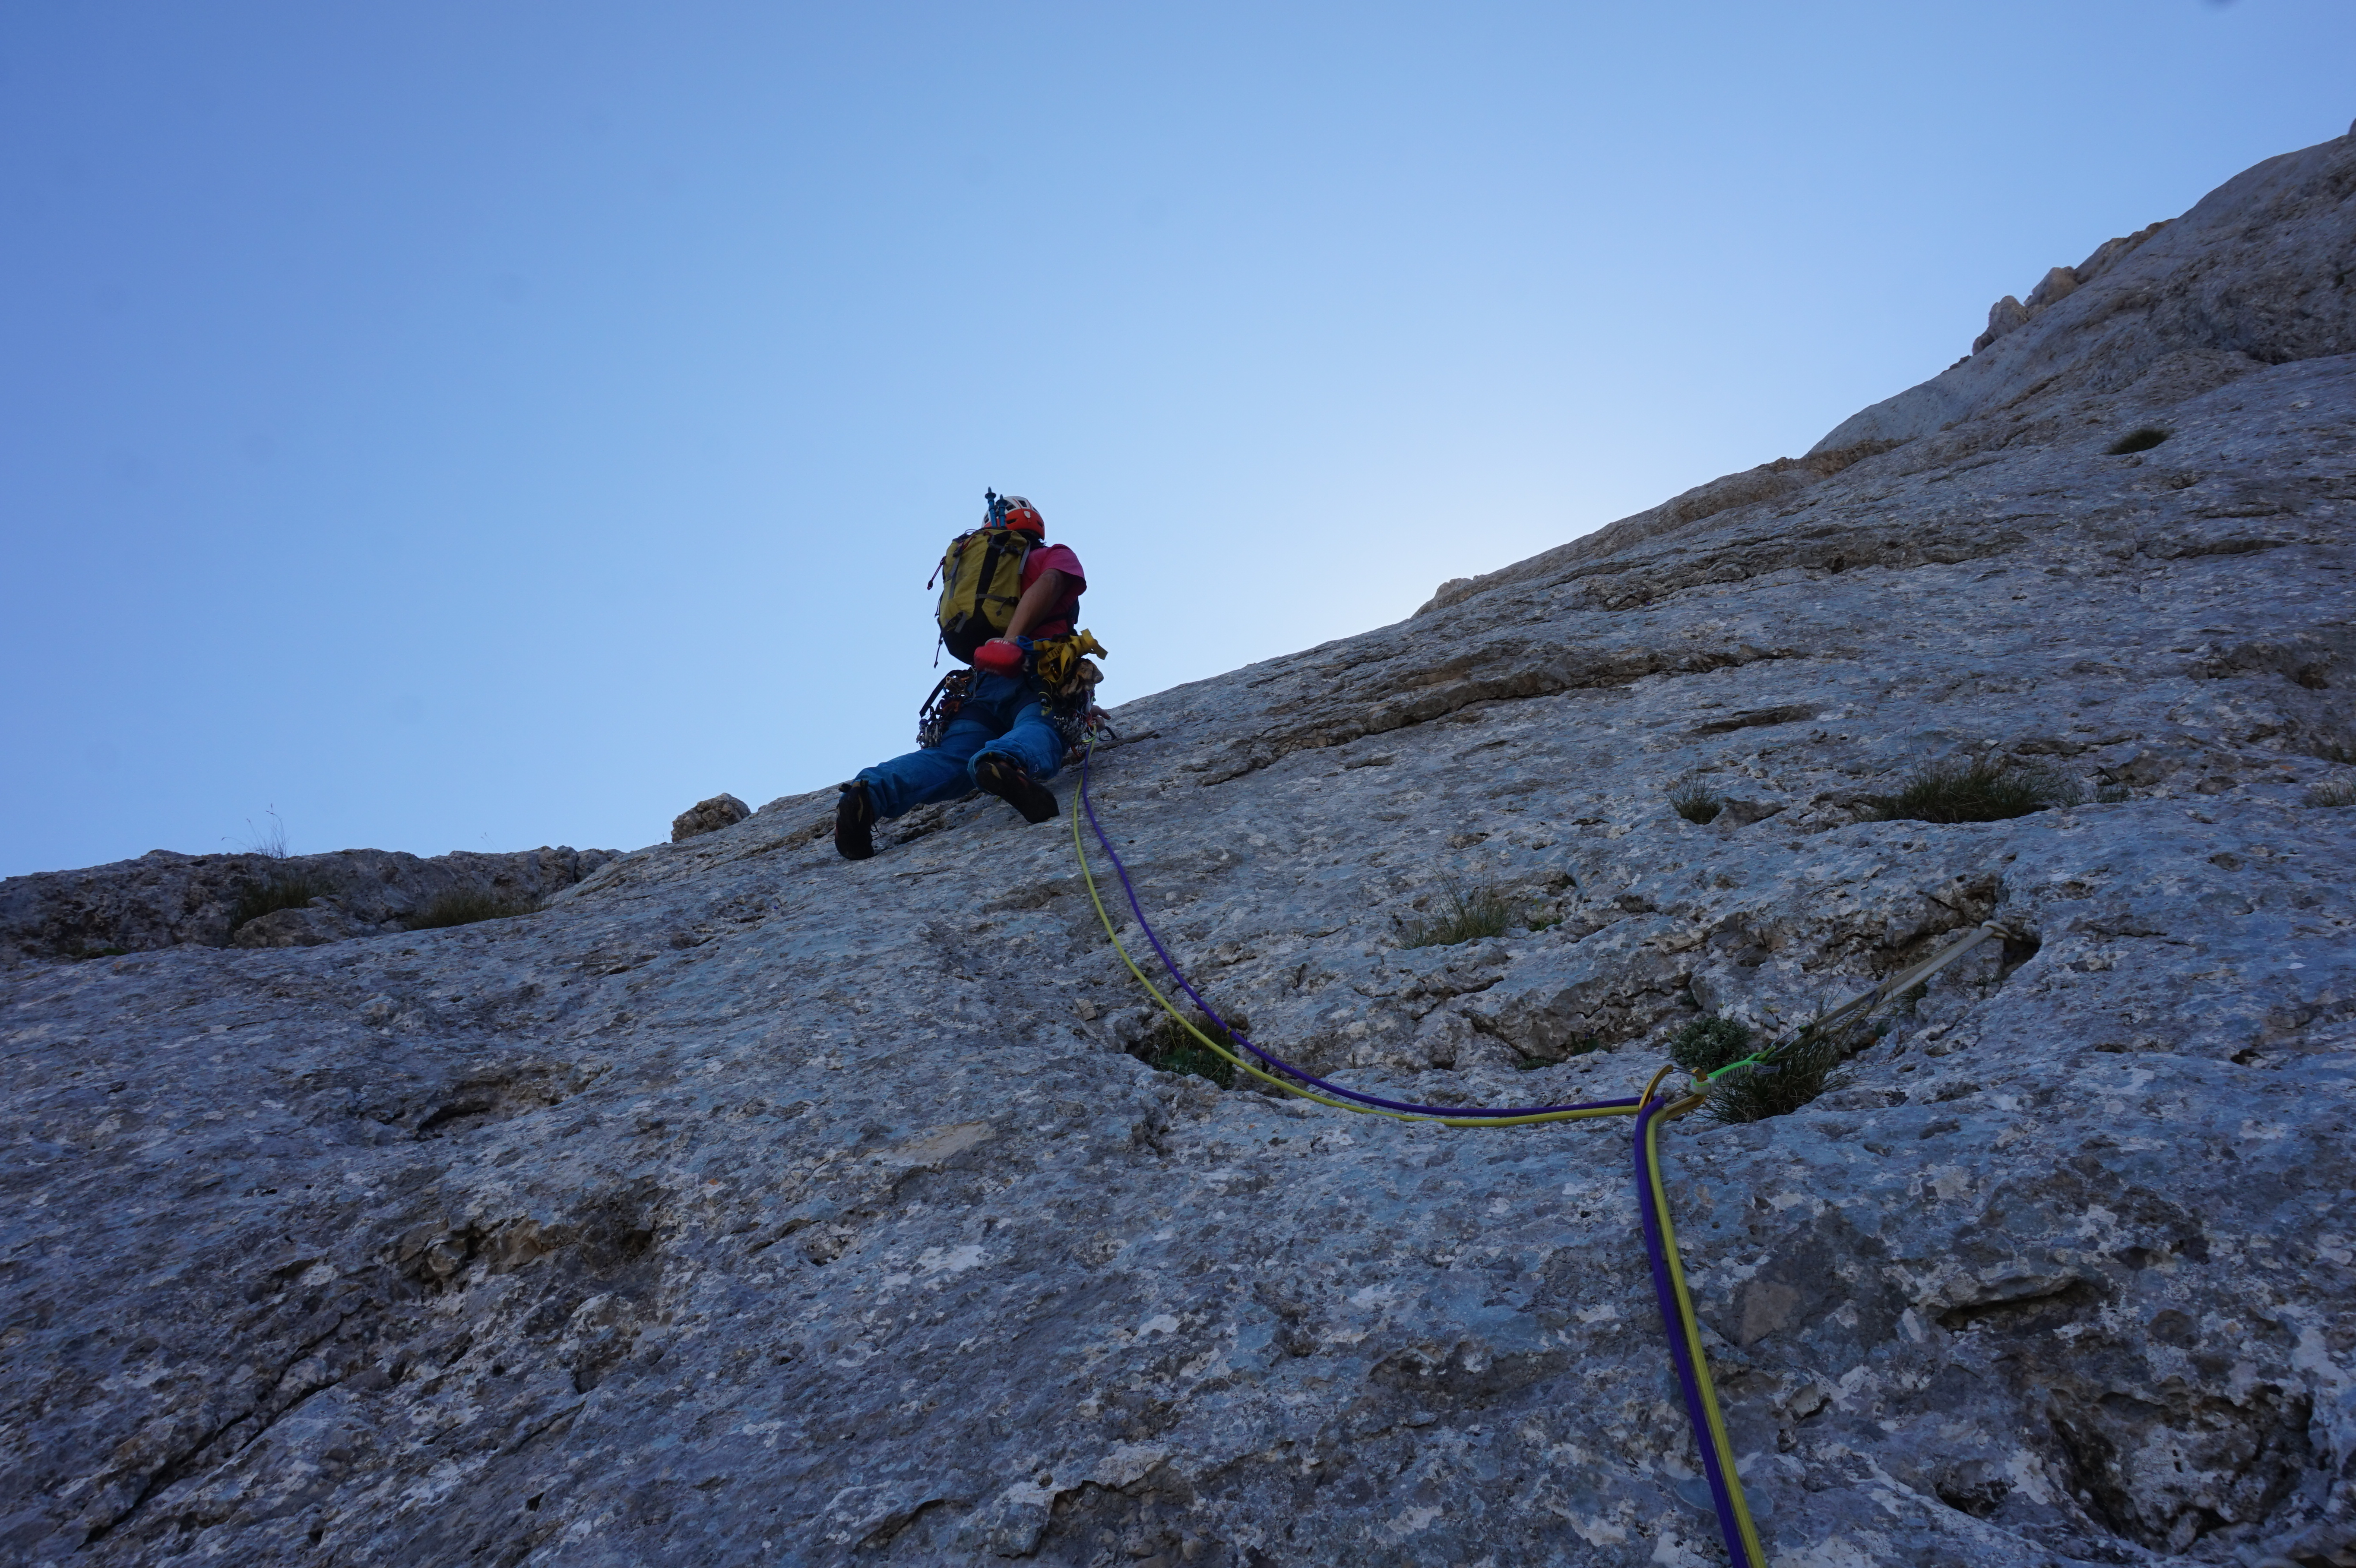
(1650, 1109)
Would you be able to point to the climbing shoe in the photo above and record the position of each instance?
(855, 823)
(1003, 777)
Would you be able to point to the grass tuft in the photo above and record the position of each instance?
(2114, 794)
(1977, 791)
(1469, 914)
(1803, 1070)
(466, 906)
(1169, 1048)
(271, 842)
(2333, 793)
(1695, 802)
(1706, 1045)
(284, 889)
(2141, 440)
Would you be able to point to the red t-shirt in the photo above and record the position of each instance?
(1061, 615)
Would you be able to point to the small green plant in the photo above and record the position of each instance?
(2333, 792)
(2114, 794)
(2139, 440)
(281, 889)
(1801, 1070)
(1169, 1048)
(466, 906)
(1695, 802)
(1977, 791)
(1468, 914)
(1706, 1045)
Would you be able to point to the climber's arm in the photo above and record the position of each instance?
(1037, 600)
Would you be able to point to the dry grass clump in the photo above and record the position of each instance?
(1695, 802)
(466, 906)
(2333, 792)
(283, 890)
(1977, 791)
(1169, 1048)
(1467, 914)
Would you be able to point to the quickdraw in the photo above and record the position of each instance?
(948, 699)
(1067, 686)
(1650, 1108)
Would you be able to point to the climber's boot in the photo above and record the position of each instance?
(854, 822)
(1002, 776)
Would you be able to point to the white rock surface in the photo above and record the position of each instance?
(748, 1205)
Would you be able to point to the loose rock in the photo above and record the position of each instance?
(708, 816)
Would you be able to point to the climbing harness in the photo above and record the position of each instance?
(1650, 1109)
(1066, 682)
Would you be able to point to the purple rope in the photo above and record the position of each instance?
(1646, 1194)
(1280, 1065)
(1673, 1323)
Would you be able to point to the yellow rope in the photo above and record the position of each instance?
(1689, 1324)
(1113, 935)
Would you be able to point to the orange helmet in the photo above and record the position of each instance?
(1014, 512)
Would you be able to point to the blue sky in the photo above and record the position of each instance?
(489, 425)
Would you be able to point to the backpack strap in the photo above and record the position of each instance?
(1000, 539)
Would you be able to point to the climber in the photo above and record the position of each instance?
(1008, 607)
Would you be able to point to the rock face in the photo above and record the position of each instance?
(2009, 313)
(747, 1205)
(2256, 275)
(708, 816)
(162, 899)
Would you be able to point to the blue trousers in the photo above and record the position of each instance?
(1002, 716)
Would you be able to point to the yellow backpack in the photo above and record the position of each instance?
(984, 581)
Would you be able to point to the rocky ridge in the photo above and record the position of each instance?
(748, 1205)
(165, 900)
